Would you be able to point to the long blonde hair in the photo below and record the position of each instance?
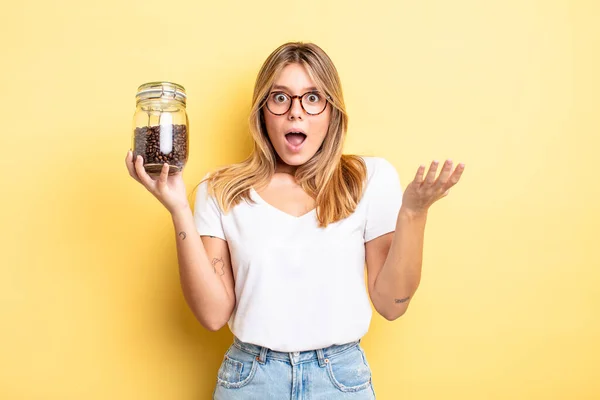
(334, 180)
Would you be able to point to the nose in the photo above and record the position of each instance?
(296, 111)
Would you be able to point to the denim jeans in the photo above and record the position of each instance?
(252, 372)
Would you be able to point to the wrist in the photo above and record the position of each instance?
(410, 213)
(180, 210)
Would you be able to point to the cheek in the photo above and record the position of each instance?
(323, 125)
(270, 124)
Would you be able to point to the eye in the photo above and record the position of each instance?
(313, 97)
(280, 97)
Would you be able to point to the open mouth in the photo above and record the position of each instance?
(295, 138)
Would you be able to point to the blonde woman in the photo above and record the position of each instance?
(277, 244)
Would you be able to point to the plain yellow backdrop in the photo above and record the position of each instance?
(508, 306)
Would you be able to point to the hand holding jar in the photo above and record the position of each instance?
(160, 142)
(168, 189)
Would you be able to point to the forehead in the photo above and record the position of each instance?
(294, 77)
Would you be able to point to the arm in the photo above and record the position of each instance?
(204, 264)
(394, 260)
(394, 264)
(205, 272)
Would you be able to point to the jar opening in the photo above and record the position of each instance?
(157, 90)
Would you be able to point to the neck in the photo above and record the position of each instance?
(283, 168)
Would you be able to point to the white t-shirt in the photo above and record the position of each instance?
(300, 287)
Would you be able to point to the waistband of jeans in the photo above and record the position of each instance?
(327, 351)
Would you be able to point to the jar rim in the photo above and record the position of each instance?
(159, 84)
(159, 89)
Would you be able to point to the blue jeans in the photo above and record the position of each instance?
(252, 372)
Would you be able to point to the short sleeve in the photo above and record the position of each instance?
(207, 214)
(384, 198)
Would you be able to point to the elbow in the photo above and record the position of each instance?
(216, 319)
(389, 317)
(392, 315)
(213, 327)
(216, 323)
(391, 310)
(210, 324)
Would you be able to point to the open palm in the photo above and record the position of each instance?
(422, 192)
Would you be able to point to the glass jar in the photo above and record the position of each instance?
(160, 127)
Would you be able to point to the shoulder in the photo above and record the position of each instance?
(205, 187)
(209, 179)
(204, 182)
(382, 178)
(379, 168)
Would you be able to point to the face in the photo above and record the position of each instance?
(293, 149)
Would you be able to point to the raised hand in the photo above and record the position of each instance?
(421, 193)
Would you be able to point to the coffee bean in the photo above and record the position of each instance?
(147, 144)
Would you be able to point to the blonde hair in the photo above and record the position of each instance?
(334, 180)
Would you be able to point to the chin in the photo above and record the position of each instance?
(296, 159)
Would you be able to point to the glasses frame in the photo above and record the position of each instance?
(292, 98)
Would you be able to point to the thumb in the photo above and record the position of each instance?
(164, 174)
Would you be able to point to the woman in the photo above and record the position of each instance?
(284, 236)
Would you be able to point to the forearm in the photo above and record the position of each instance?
(203, 290)
(401, 273)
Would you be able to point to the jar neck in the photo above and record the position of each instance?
(160, 101)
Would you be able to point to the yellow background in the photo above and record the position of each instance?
(508, 304)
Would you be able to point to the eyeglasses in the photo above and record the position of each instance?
(313, 103)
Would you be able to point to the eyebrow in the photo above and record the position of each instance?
(287, 88)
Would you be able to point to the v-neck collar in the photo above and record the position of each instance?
(259, 199)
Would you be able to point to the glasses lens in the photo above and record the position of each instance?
(314, 102)
(278, 103)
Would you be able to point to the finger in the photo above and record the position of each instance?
(164, 174)
(130, 166)
(455, 176)
(141, 172)
(419, 176)
(430, 178)
(443, 178)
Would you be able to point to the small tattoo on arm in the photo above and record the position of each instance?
(401, 300)
(182, 233)
(216, 262)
